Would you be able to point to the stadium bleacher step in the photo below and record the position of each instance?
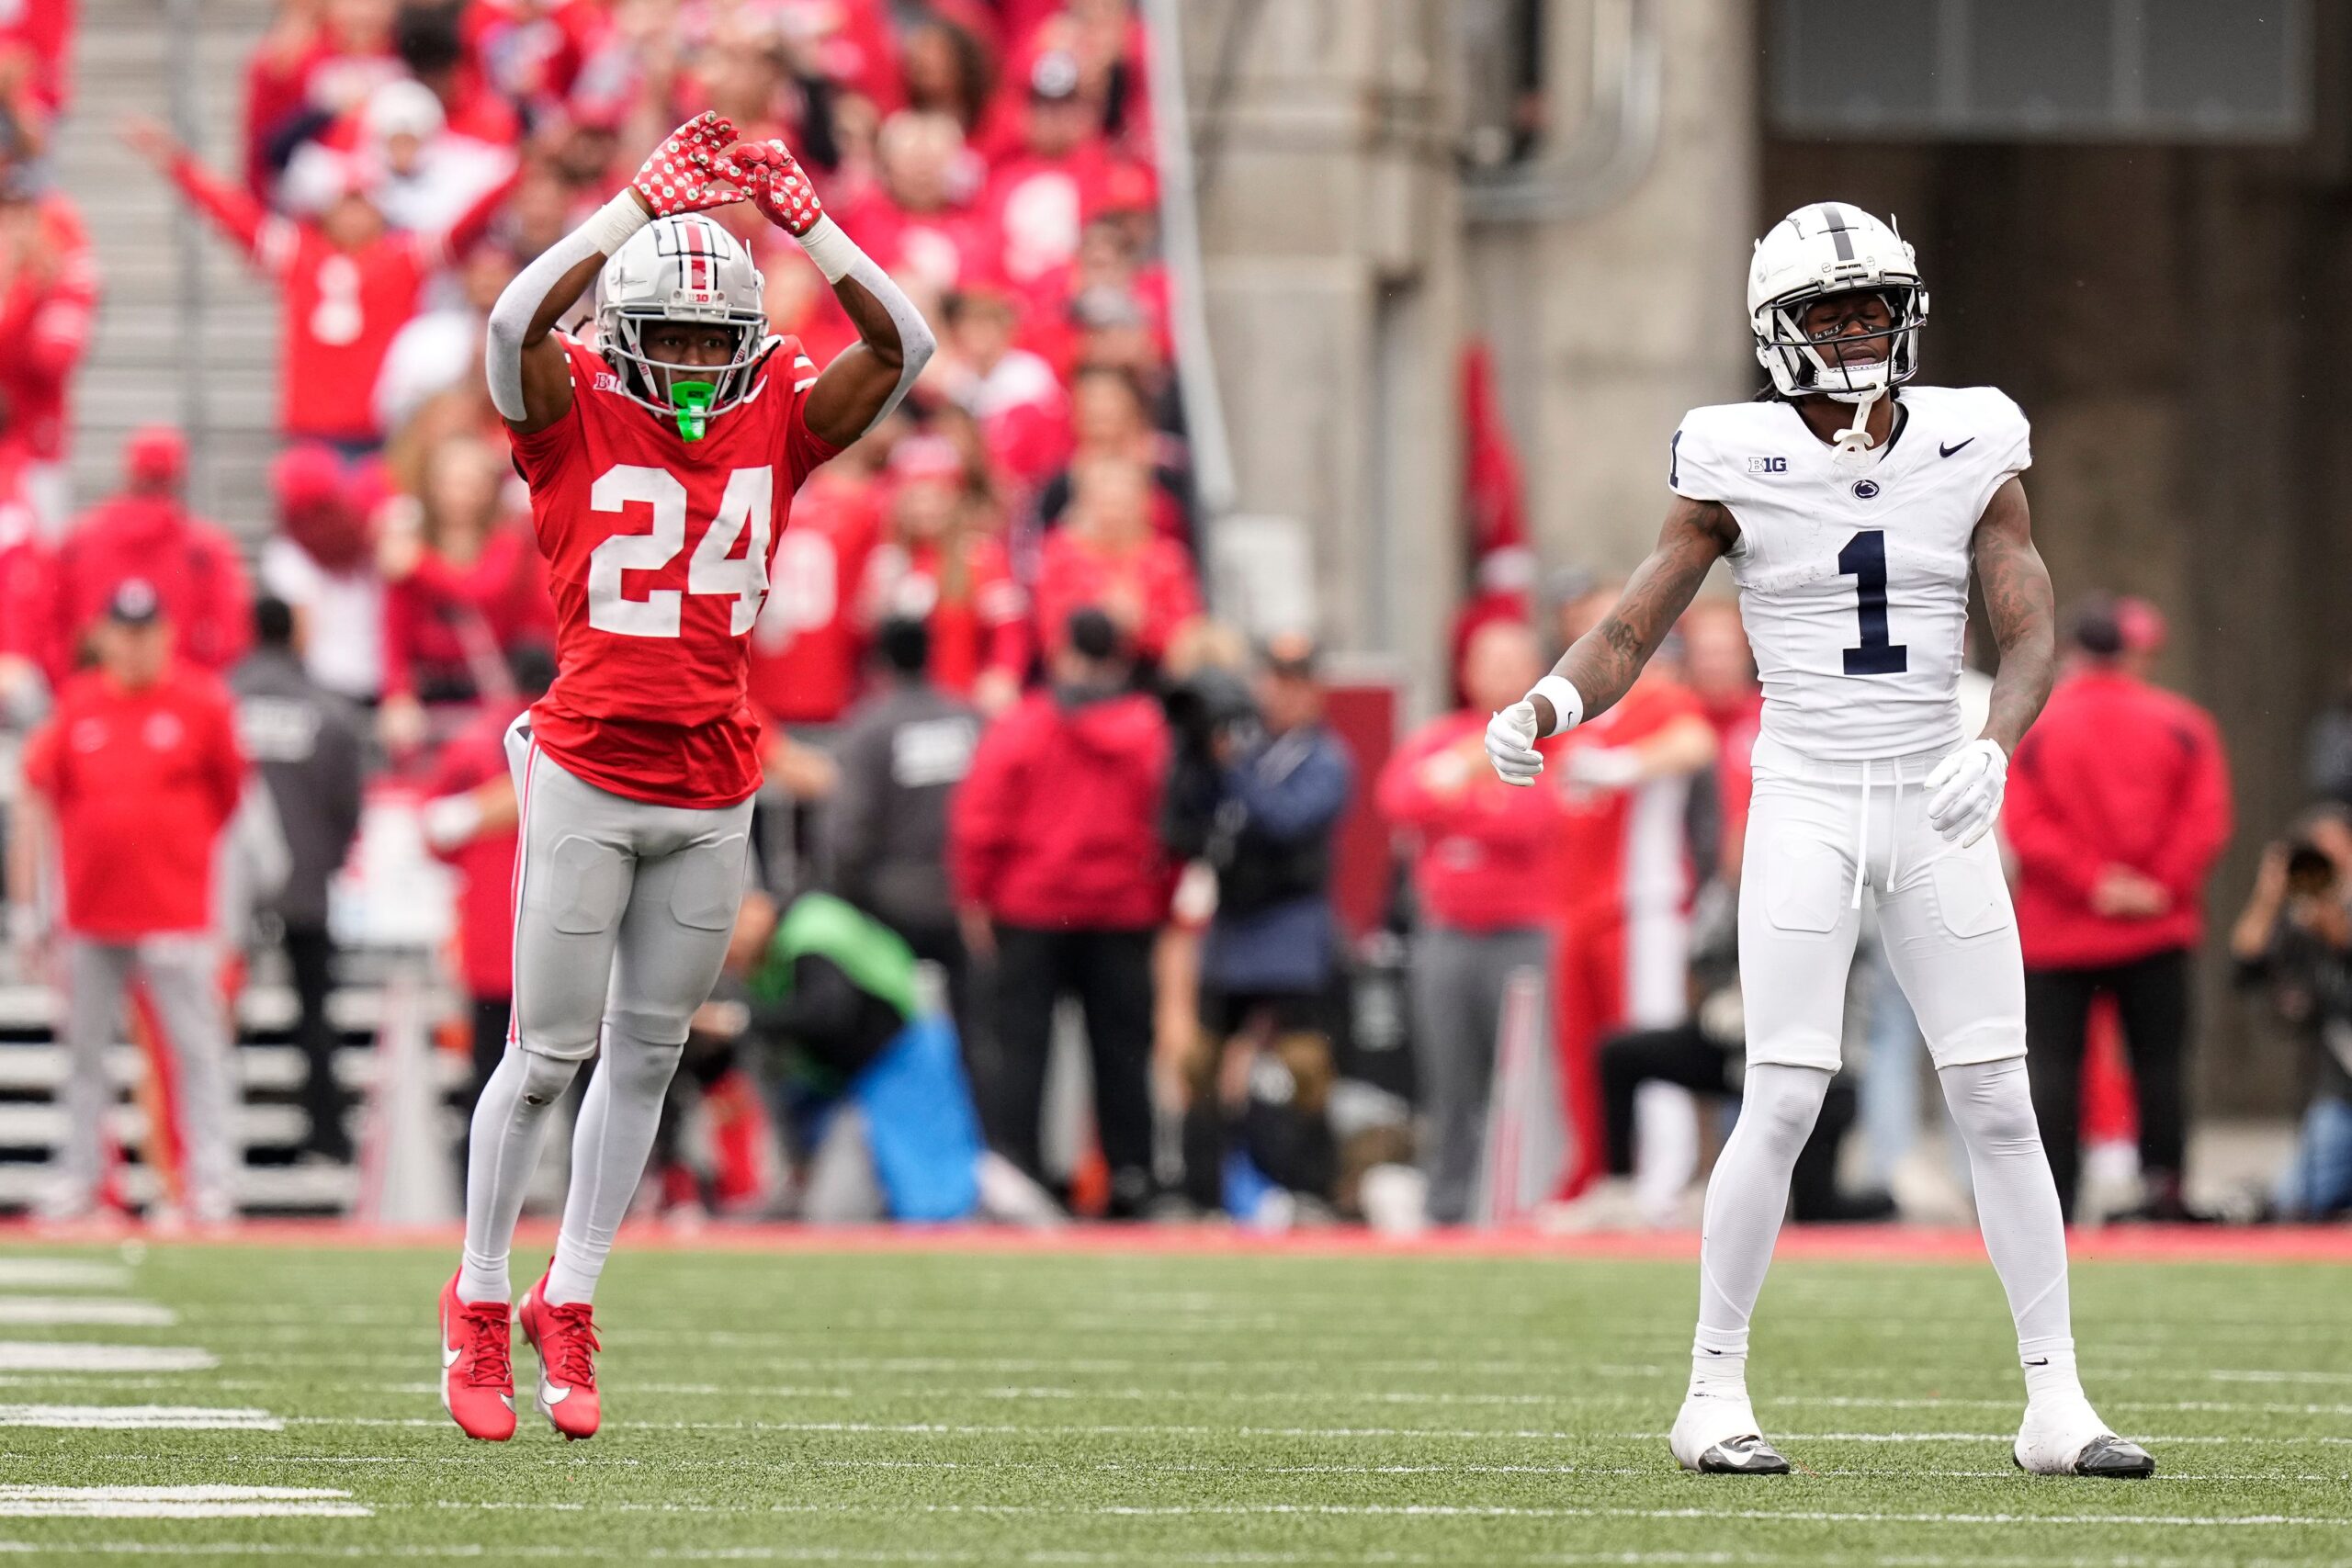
(137, 371)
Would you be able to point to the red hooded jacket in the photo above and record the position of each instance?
(193, 565)
(2115, 773)
(1058, 824)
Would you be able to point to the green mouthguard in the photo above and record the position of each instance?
(691, 400)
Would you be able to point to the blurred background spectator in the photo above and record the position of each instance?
(1484, 892)
(1256, 794)
(310, 749)
(903, 750)
(146, 531)
(133, 780)
(2294, 937)
(2119, 802)
(1053, 845)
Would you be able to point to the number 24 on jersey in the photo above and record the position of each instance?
(716, 569)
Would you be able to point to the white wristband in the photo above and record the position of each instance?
(832, 249)
(610, 226)
(1567, 703)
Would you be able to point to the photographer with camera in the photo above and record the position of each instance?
(1256, 794)
(2295, 934)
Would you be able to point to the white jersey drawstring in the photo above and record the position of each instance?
(1895, 829)
(1862, 839)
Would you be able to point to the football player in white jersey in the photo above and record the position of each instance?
(1851, 514)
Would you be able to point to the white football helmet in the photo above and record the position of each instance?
(1832, 248)
(680, 269)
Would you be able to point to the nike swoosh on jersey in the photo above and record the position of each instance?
(1944, 451)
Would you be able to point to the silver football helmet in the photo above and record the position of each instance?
(1833, 248)
(681, 269)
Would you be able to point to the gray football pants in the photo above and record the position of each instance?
(623, 908)
(181, 972)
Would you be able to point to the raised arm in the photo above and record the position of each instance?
(231, 209)
(530, 385)
(1601, 666)
(1967, 786)
(865, 382)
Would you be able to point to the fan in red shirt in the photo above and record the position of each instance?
(464, 583)
(942, 568)
(49, 298)
(1035, 197)
(348, 285)
(1481, 852)
(1624, 884)
(920, 227)
(147, 532)
(470, 821)
(809, 647)
(317, 62)
(1107, 555)
(1721, 669)
(662, 466)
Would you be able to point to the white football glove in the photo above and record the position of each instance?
(1511, 744)
(1968, 786)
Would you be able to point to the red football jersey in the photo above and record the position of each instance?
(658, 551)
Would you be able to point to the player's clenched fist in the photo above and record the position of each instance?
(686, 174)
(776, 184)
(1511, 744)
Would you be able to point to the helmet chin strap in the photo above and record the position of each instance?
(1851, 447)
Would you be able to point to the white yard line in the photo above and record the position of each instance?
(177, 1503)
(86, 1310)
(61, 1274)
(140, 1418)
(70, 1355)
(1399, 1511)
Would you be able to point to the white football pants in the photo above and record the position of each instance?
(1817, 834)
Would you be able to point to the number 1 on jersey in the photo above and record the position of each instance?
(1864, 560)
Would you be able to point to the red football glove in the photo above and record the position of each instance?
(776, 184)
(684, 173)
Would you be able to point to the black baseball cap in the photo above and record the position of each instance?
(135, 603)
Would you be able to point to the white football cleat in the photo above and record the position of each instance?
(1716, 1435)
(2067, 1437)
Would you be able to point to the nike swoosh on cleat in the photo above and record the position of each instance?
(1944, 451)
(449, 1358)
(550, 1394)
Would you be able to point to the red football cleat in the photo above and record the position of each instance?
(565, 1337)
(477, 1365)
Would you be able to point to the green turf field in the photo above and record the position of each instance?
(1097, 1408)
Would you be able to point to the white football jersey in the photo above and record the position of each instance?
(1853, 583)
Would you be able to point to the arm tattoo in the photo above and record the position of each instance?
(1605, 660)
(2018, 600)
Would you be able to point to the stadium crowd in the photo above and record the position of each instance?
(1006, 745)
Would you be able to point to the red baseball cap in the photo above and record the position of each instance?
(155, 455)
(2142, 624)
(305, 477)
(1123, 186)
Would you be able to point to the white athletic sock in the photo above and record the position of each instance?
(1747, 1198)
(509, 1129)
(619, 1117)
(2017, 1205)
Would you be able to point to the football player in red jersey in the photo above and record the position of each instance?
(661, 465)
